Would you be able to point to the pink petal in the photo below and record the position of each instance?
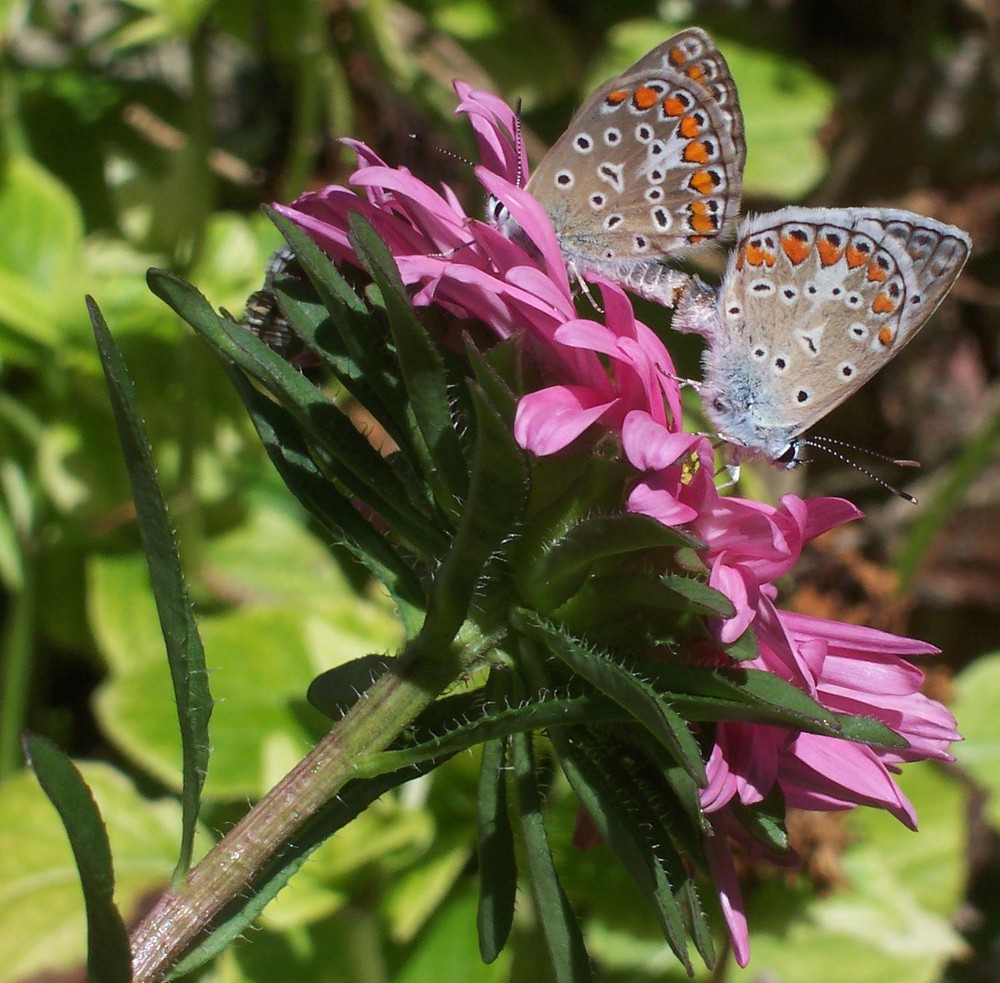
(841, 774)
(720, 862)
(660, 504)
(649, 446)
(547, 420)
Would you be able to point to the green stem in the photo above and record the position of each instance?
(15, 670)
(229, 869)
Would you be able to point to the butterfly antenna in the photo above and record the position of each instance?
(444, 151)
(518, 142)
(824, 445)
(899, 462)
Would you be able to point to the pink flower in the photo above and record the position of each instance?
(848, 669)
(639, 377)
(613, 375)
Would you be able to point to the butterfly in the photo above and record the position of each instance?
(813, 303)
(650, 167)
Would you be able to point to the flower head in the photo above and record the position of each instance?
(607, 377)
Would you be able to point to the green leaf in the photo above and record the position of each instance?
(290, 454)
(335, 691)
(605, 794)
(42, 915)
(449, 735)
(699, 597)
(624, 686)
(563, 937)
(423, 373)
(109, 957)
(495, 838)
(355, 355)
(497, 496)
(39, 254)
(745, 648)
(312, 322)
(185, 653)
(742, 694)
(566, 563)
(765, 821)
(346, 452)
(497, 391)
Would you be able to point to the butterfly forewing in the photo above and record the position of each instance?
(651, 164)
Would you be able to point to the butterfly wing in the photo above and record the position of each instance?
(813, 304)
(651, 164)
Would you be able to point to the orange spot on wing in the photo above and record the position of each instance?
(696, 152)
(875, 273)
(616, 98)
(677, 57)
(758, 256)
(855, 256)
(885, 335)
(795, 249)
(695, 73)
(704, 182)
(694, 240)
(688, 127)
(741, 258)
(702, 220)
(672, 106)
(829, 253)
(883, 304)
(644, 97)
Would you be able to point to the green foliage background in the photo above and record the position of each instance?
(147, 133)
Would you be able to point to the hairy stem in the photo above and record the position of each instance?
(229, 869)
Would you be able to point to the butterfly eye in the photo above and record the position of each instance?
(789, 457)
(496, 209)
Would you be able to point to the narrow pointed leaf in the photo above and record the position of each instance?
(185, 653)
(109, 958)
(623, 685)
(461, 735)
(336, 690)
(352, 321)
(314, 324)
(743, 694)
(497, 495)
(602, 797)
(288, 451)
(560, 928)
(422, 369)
(866, 730)
(500, 395)
(699, 596)
(560, 572)
(349, 455)
(745, 648)
(765, 822)
(494, 838)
